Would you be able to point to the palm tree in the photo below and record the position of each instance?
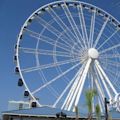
(98, 112)
(90, 94)
(77, 112)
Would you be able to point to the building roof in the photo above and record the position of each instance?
(40, 112)
(46, 111)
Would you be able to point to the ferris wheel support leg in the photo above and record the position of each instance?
(100, 102)
(98, 85)
(72, 100)
(66, 90)
(71, 96)
(101, 95)
(83, 77)
(92, 86)
(106, 88)
(76, 89)
(100, 90)
(107, 79)
(118, 103)
(115, 103)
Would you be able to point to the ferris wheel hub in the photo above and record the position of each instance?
(93, 53)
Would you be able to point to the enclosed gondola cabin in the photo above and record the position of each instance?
(20, 82)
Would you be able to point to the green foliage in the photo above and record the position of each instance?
(109, 117)
(89, 97)
(90, 94)
(98, 112)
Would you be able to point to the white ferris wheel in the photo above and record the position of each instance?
(65, 48)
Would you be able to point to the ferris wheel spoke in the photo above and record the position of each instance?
(110, 48)
(47, 40)
(54, 30)
(46, 52)
(46, 66)
(75, 52)
(72, 23)
(92, 28)
(55, 79)
(52, 42)
(54, 93)
(110, 62)
(106, 77)
(108, 39)
(101, 31)
(111, 72)
(83, 26)
(107, 56)
(112, 76)
(60, 22)
(65, 90)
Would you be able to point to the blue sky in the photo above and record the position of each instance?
(12, 16)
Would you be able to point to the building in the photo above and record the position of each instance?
(44, 113)
(17, 105)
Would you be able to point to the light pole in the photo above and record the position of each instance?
(106, 110)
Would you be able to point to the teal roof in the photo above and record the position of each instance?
(39, 111)
(46, 111)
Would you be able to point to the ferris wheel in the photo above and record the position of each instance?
(65, 48)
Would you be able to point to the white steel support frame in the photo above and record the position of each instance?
(68, 86)
(110, 91)
(104, 83)
(106, 77)
(83, 77)
(77, 87)
(72, 90)
(100, 92)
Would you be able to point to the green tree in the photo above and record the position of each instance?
(77, 112)
(98, 112)
(90, 94)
